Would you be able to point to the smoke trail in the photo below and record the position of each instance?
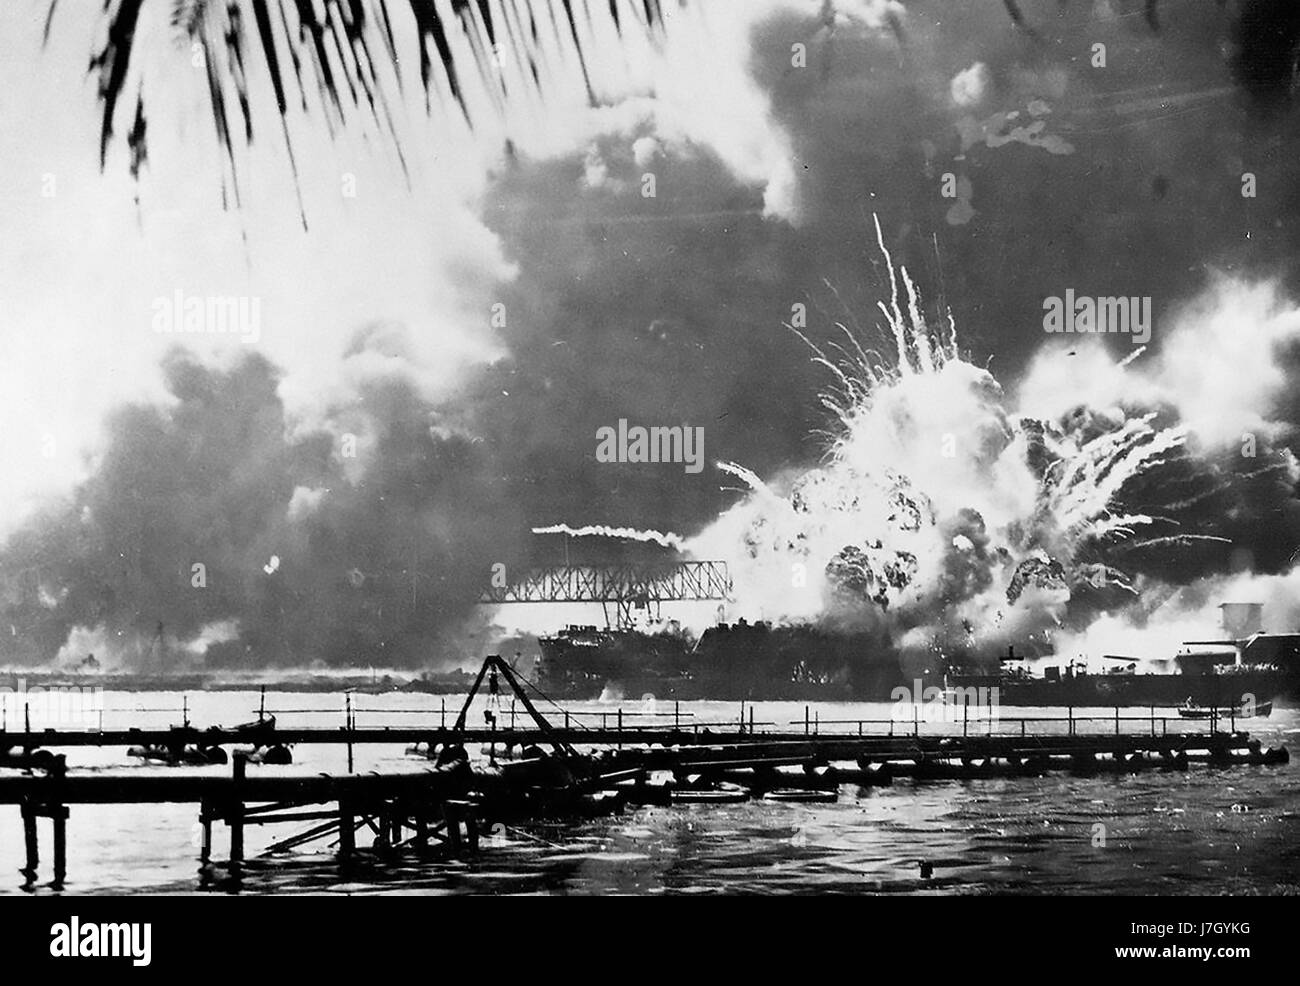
(668, 540)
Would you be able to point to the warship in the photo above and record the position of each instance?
(1245, 666)
(803, 662)
(752, 661)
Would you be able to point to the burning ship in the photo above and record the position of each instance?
(751, 661)
(1247, 665)
(759, 661)
(741, 660)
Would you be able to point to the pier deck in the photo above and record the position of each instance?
(886, 733)
(586, 769)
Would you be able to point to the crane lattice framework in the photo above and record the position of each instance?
(626, 587)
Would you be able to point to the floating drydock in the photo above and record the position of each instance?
(543, 770)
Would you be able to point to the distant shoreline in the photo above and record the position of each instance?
(443, 683)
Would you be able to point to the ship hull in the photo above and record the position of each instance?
(743, 661)
(1160, 690)
(759, 662)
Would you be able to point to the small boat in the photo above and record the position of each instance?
(1244, 710)
(263, 724)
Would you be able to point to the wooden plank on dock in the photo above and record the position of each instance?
(184, 787)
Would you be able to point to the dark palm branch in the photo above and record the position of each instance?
(330, 47)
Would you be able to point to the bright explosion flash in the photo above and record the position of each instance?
(937, 515)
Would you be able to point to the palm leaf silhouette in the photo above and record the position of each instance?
(333, 50)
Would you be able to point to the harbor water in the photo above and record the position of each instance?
(1206, 830)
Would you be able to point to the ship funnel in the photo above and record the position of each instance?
(1240, 620)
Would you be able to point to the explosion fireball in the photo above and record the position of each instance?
(947, 520)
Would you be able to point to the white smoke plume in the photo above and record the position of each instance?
(664, 540)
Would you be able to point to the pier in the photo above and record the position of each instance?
(543, 770)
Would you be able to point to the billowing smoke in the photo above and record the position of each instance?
(209, 533)
(948, 516)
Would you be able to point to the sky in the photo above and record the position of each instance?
(473, 302)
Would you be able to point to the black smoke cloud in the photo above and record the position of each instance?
(665, 311)
(380, 569)
(1148, 200)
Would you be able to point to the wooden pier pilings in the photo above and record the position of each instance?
(432, 800)
(586, 769)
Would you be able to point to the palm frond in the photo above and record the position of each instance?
(342, 56)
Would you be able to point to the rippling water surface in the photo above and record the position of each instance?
(1207, 830)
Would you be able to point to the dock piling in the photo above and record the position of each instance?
(458, 813)
(59, 817)
(347, 829)
(205, 837)
(235, 811)
(30, 840)
(394, 824)
(347, 715)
